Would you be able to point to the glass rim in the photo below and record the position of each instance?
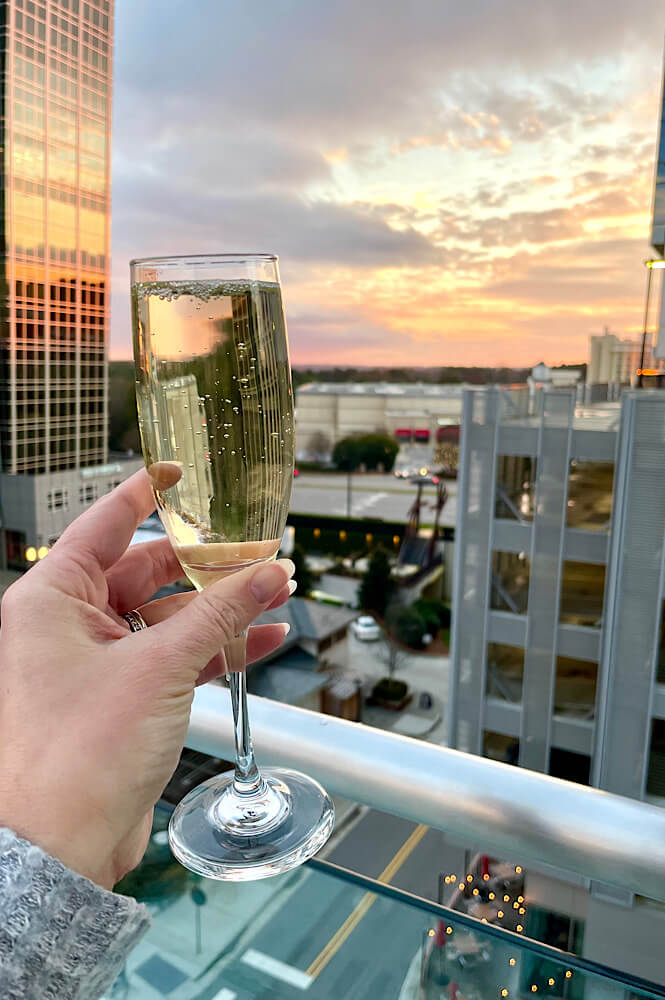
(202, 259)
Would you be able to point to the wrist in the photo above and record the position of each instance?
(70, 839)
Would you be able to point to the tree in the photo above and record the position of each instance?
(346, 454)
(392, 655)
(370, 450)
(377, 586)
(319, 447)
(302, 573)
(409, 626)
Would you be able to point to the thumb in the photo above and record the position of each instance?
(192, 636)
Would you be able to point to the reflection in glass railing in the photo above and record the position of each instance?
(328, 933)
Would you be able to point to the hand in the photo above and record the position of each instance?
(93, 718)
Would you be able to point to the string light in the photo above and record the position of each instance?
(518, 869)
(469, 878)
(461, 885)
(569, 974)
(447, 880)
(506, 899)
(519, 928)
(522, 911)
(512, 961)
(475, 892)
(486, 877)
(491, 895)
(431, 932)
(449, 930)
(550, 981)
(534, 988)
(500, 913)
(483, 920)
(520, 899)
(516, 906)
(31, 554)
(42, 551)
(504, 993)
(453, 877)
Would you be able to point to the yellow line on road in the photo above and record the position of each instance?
(359, 911)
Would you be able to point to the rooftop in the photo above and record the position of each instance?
(416, 389)
(309, 619)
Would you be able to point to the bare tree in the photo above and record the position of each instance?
(393, 657)
(319, 446)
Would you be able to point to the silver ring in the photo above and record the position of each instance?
(135, 621)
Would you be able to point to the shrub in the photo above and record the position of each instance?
(409, 626)
(389, 690)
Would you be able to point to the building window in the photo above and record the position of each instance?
(656, 772)
(590, 486)
(510, 582)
(498, 746)
(515, 496)
(88, 493)
(570, 766)
(582, 591)
(58, 500)
(575, 687)
(505, 671)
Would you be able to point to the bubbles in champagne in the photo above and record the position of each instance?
(224, 369)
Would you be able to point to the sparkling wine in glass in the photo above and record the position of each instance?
(215, 404)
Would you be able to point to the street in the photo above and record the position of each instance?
(331, 938)
(372, 495)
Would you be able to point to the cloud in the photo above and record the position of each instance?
(417, 167)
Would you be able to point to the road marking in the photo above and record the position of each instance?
(365, 904)
(278, 970)
(225, 994)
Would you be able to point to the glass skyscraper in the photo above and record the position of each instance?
(57, 59)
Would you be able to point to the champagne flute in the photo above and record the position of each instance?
(215, 404)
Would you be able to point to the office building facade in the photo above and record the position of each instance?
(55, 241)
(558, 659)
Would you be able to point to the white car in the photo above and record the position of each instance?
(366, 628)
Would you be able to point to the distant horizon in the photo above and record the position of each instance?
(335, 366)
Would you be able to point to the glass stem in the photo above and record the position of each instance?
(247, 778)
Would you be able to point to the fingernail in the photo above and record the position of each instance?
(287, 628)
(287, 565)
(267, 582)
(292, 588)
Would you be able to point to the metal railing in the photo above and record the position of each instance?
(513, 813)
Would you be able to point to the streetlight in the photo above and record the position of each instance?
(650, 265)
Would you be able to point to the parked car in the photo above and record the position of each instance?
(366, 628)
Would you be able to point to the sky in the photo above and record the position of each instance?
(445, 183)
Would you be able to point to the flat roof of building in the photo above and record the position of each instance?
(395, 389)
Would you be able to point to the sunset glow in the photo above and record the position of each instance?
(443, 185)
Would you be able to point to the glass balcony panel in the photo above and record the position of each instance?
(327, 932)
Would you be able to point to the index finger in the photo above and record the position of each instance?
(103, 532)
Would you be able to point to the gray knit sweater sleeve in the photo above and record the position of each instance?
(61, 936)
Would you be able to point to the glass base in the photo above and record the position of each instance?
(204, 837)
